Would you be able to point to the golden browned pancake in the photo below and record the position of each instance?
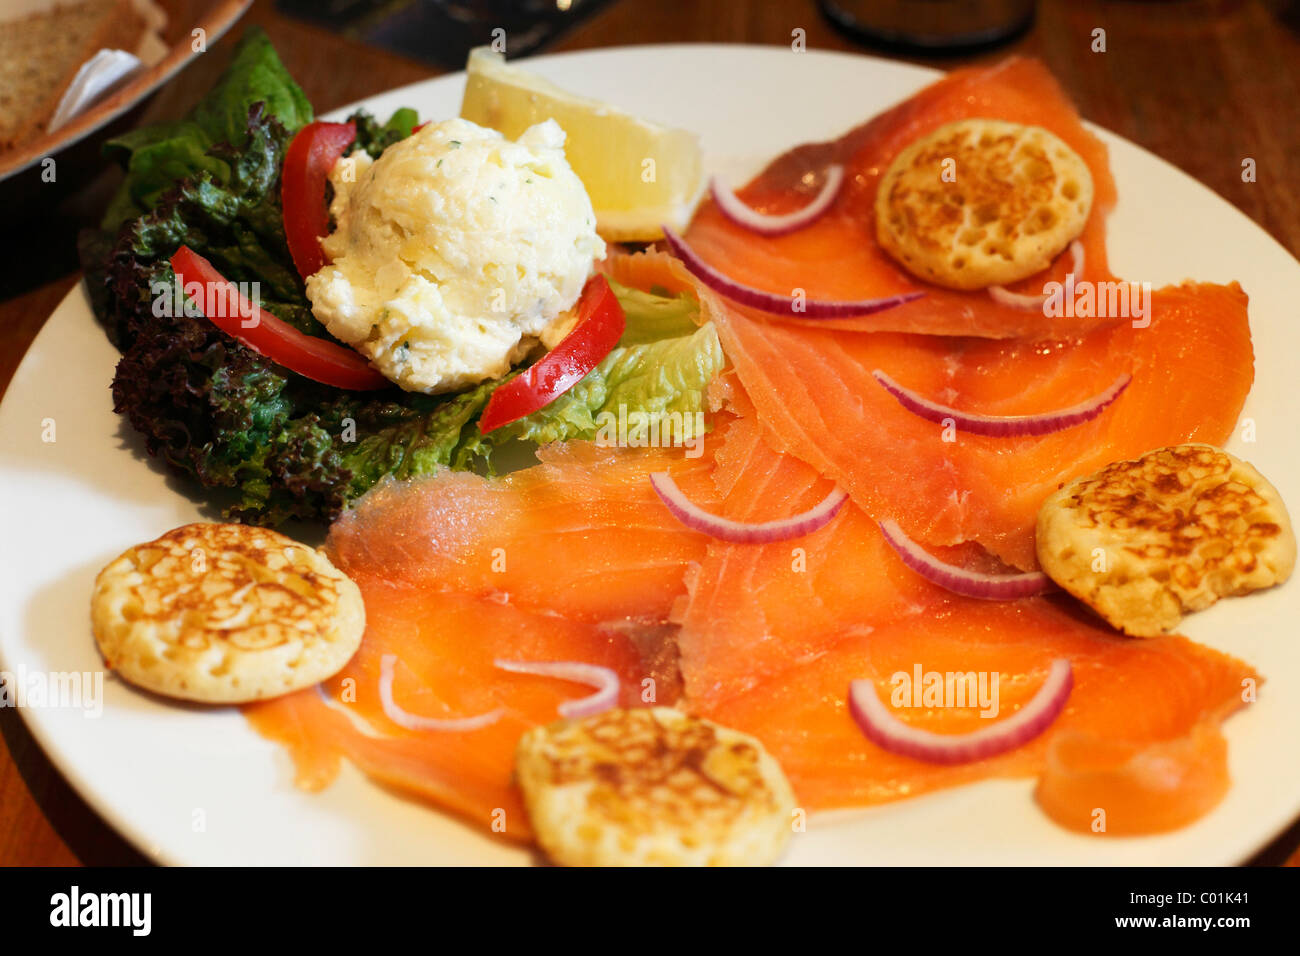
(225, 613)
(1143, 542)
(982, 202)
(652, 786)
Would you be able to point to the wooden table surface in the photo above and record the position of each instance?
(1202, 83)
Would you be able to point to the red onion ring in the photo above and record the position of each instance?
(387, 667)
(695, 517)
(362, 726)
(1004, 426)
(770, 301)
(602, 678)
(886, 731)
(991, 587)
(731, 206)
(1021, 300)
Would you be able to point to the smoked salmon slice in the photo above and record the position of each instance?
(1156, 698)
(814, 391)
(1095, 784)
(573, 559)
(838, 257)
(793, 600)
(770, 640)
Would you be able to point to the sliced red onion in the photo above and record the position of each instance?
(731, 206)
(387, 666)
(1004, 426)
(362, 726)
(770, 301)
(1021, 300)
(882, 728)
(992, 587)
(602, 678)
(1017, 300)
(693, 516)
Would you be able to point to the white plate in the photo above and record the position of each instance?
(190, 785)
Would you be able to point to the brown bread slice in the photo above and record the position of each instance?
(40, 55)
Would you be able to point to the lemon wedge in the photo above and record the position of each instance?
(638, 174)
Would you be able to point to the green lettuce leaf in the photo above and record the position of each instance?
(158, 157)
(373, 138)
(255, 75)
(653, 316)
(416, 445)
(651, 389)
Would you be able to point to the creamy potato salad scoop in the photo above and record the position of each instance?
(455, 252)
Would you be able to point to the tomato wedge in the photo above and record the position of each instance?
(317, 359)
(307, 164)
(600, 325)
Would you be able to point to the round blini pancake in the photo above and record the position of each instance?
(1143, 542)
(224, 614)
(982, 202)
(652, 787)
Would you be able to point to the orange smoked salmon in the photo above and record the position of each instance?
(573, 559)
(837, 257)
(771, 637)
(814, 391)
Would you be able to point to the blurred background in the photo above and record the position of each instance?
(1201, 83)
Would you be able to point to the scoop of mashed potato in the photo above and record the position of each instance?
(455, 252)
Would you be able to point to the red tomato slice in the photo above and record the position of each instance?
(317, 359)
(307, 164)
(600, 325)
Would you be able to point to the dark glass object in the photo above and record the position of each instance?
(930, 26)
(444, 31)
